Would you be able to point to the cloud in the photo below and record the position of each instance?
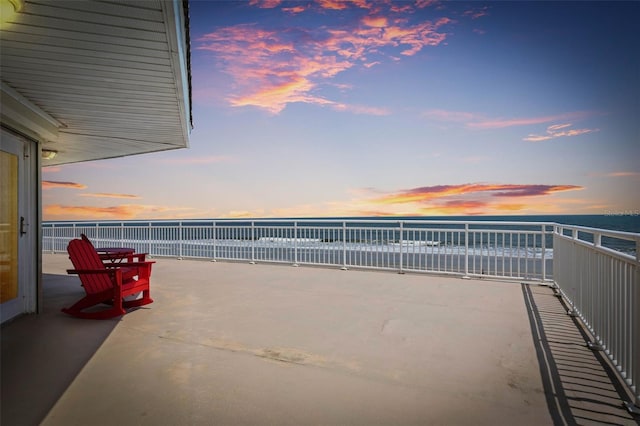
(271, 68)
(479, 121)
(556, 131)
(121, 212)
(294, 10)
(375, 21)
(623, 174)
(265, 4)
(502, 123)
(453, 207)
(108, 195)
(343, 4)
(48, 184)
(361, 109)
(428, 193)
(126, 211)
(421, 4)
(442, 200)
(239, 214)
(477, 13)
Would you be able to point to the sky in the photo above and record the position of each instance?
(327, 108)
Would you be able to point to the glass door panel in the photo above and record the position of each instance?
(8, 226)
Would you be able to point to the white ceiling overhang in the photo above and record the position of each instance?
(98, 79)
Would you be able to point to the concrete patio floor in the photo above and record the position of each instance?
(240, 344)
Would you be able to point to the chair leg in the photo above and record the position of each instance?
(144, 300)
(77, 310)
(104, 314)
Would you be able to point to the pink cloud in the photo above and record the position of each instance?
(477, 13)
(428, 193)
(108, 195)
(421, 4)
(48, 184)
(120, 212)
(556, 131)
(333, 4)
(270, 69)
(463, 199)
(375, 21)
(123, 211)
(360, 109)
(480, 121)
(294, 10)
(623, 174)
(502, 123)
(265, 4)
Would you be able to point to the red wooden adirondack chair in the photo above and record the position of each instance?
(105, 283)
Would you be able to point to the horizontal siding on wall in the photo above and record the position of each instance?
(103, 69)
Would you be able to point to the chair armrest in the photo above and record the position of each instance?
(119, 256)
(142, 257)
(90, 271)
(128, 264)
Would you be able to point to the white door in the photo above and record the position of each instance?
(15, 242)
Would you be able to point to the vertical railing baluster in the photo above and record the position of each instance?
(543, 243)
(295, 243)
(214, 230)
(253, 243)
(401, 242)
(344, 246)
(466, 250)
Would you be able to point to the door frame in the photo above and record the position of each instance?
(29, 246)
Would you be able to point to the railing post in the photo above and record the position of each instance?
(180, 240)
(635, 348)
(295, 244)
(544, 252)
(149, 240)
(215, 231)
(121, 234)
(597, 239)
(253, 243)
(344, 246)
(466, 251)
(401, 240)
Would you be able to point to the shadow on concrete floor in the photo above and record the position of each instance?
(580, 385)
(42, 354)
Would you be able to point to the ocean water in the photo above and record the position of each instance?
(237, 236)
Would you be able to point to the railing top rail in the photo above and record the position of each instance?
(311, 221)
(604, 232)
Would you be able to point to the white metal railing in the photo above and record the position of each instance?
(595, 270)
(513, 250)
(602, 287)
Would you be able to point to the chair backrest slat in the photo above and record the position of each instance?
(84, 256)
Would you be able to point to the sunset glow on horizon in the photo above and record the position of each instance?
(388, 108)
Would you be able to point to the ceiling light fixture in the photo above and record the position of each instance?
(9, 9)
(49, 154)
